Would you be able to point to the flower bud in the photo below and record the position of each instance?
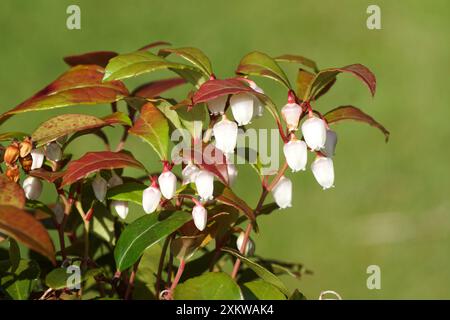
(296, 154)
(242, 108)
(282, 193)
(12, 173)
(217, 105)
(53, 151)
(32, 187)
(38, 158)
(26, 163)
(330, 143)
(12, 153)
(99, 185)
(189, 173)
(291, 114)
(114, 181)
(250, 246)
(168, 184)
(121, 208)
(232, 173)
(200, 217)
(25, 147)
(323, 171)
(225, 133)
(150, 199)
(315, 132)
(58, 210)
(204, 182)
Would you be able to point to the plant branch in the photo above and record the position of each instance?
(161, 265)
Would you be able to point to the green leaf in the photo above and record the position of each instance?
(18, 284)
(144, 285)
(193, 120)
(304, 80)
(7, 136)
(260, 64)
(193, 55)
(297, 295)
(130, 191)
(210, 286)
(261, 290)
(14, 254)
(57, 278)
(262, 272)
(145, 232)
(294, 58)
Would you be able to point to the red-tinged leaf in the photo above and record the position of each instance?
(304, 80)
(154, 44)
(215, 88)
(327, 76)
(226, 196)
(95, 161)
(99, 58)
(353, 113)
(155, 88)
(48, 176)
(80, 85)
(193, 55)
(260, 64)
(153, 128)
(11, 193)
(24, 228)
(117, 118)
(7, 136)
(298, 59)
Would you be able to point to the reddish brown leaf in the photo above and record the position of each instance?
(154, 44)
(99, 58)
(11, 193)
(353, 113)
(155, 88)
(215, 88)
(227, 196)
(95, 161)
(24, 228)
(48, 176)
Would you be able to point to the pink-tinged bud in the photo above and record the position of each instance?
(296, 154)
(225, 132)
(291, 114)
(114, 181)
(38, 158)
(282, 193)
(330, 143)
(53, 151)
(58, 210)
(217, 105)
(200, 217)
(204, 182)
(150, 199)
(232, 173)
(121, 208)
(323, 171)
(99, 185)
(249, 248)
(32, 187)
(168, 184)
(242, 108)
(314, 132)
(189, 173)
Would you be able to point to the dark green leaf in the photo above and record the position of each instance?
(19, 283)
(130, 191)
(261, 290)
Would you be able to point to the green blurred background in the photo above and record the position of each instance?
(390, 206)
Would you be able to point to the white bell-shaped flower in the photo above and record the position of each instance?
(168, 184)
(242, 108)
(217, 105)
(150, 199)
(330, 143)
(121, 208)
(258, 107)
(114, 181)
(38, 158)
(250, 246)
(32, 187)
(296, 154)
(232, 173)
(282, 193)
(53, 151)
(204, 182)
(225, 133)
(189, 173)
(58, 210)
(99, 185)
(315, 132)
(200, 216)
(323, 171)
(291, 114)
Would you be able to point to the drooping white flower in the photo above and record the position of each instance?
(200, 216)
(291, 114)
(296, 154)
(121, 208)
(282, 193)
(150, 199)
(115, 180)
(258, 107)
(168, 184)
(323, 171)
(189, 173)
(242, 108)
(315, 132)
(232, 173)
(330, 143)
(99, 185)
(217, 105)
(32, 187)
(225, 133)
(58, 210)
(204, 182)
(53, 151)
(250, 246)
(38, 158)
